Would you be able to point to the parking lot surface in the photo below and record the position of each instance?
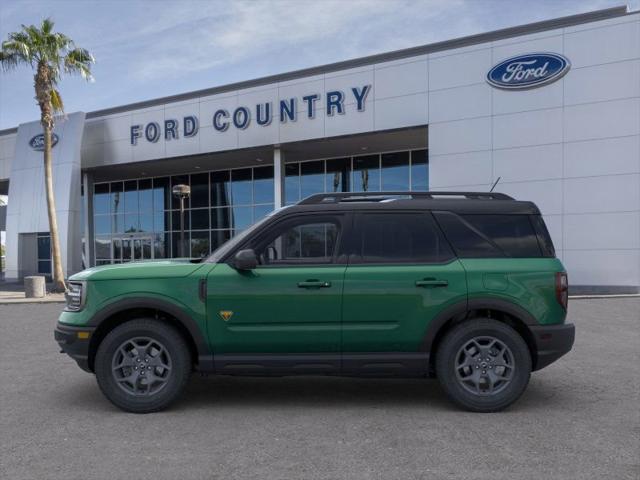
(579, 418)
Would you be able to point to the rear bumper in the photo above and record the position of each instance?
(73, 345)
(552, 342)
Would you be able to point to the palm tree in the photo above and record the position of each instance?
(50, 55)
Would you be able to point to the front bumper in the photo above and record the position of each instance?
(552, 342)
(74, 341)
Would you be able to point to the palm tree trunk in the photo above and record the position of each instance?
(58, 275)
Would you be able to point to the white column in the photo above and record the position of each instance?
(87, 183)
(278, 177)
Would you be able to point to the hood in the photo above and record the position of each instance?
(139, 270)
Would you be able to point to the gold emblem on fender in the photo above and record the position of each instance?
(225, 315)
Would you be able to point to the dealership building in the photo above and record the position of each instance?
(550, 109)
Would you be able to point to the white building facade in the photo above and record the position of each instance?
(551, 109)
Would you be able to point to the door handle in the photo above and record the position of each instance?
(431, 283)
(314, 284)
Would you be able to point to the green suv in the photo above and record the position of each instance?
(461, 286)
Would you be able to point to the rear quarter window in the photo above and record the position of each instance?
(491, 235)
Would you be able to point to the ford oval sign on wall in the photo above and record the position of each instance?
(528, 71)
(37, 142)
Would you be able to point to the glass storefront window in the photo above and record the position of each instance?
(395, 171)
(263, 185)
(145, 195)
(117, 192)
(220, 189)
(102, 224)
(241, 187)
(142, 216)
(311, 178)
(161, 194)
(242, 217)
(338, 173)
(175, 220)
(366, 173)
(220, 218)
(44, 253)
(420, 170)
(218, 237)
(146, 222)
(199, 244)
(160, 245)
(160, 221)
(261, 211)
(131, 203)
(101, 199)
(200, 219)
(103, 247)
(200, 190)
(131, 223)
(179, 180)
(292, 183)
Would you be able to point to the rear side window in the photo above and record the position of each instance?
(544, 239)
(399, 238)
(486, 236)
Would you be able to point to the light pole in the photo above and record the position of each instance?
(182, 192)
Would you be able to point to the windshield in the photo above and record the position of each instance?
(230, 244)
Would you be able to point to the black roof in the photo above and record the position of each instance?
(457, 202)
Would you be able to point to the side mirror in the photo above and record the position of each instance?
(245, 260)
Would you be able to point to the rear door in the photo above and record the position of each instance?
(401, 274)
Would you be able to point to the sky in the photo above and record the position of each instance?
(150, 49)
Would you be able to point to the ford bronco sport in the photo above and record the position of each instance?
(461, 286)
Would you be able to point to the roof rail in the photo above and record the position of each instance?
(319, 198)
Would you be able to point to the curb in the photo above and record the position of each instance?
(18, 301)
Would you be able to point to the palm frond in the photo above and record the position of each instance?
(19, 47)
(56, 101)
(47, 26)
(9, 61)
(79, 61)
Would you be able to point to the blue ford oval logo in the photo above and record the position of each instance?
(37, 142)
(528, 71)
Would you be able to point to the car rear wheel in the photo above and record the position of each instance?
(483, 365)
(143, 365)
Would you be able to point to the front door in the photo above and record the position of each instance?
(291, 303)
(401, 274)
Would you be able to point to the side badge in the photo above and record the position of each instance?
(225, 314)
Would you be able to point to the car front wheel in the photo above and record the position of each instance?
(143, 365)
(483, 365)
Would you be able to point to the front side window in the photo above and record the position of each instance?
(399, 238)
(310, 240)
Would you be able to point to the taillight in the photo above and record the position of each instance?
(562, 289)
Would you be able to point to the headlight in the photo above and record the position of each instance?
(75, 296)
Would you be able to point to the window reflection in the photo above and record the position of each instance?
(366, 173)
(395, 171)
(220, 189)
(419, 170)
(311, 178)
(338, 172)
(241, 186)
(226, 202)
(263, 185)
(292, 183)
(200, 190)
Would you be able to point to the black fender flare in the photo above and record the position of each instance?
(205, 358)
(463, 307)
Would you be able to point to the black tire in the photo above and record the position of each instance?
(141, 339)
(462, 375)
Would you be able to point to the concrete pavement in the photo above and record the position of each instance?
(578, 419)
